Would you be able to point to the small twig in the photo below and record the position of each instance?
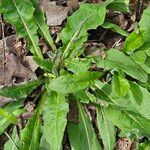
(4, 42)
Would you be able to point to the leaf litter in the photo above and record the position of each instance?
(56, 15)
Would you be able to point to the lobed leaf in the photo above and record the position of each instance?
(140, 36)
(144, 25)
(44, 64)
(139, 97)
(133, 42)
(85, 97)
(121, 84)
(77, 66)
(119, 5)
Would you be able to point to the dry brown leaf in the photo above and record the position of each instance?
(32, 65)
(73, 4)
(4, 100)
(54, 14)
(124, 144)
(12, 68)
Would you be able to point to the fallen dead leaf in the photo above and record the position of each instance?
(10, 42)
(30, 109)
(4, 100)
(32, 65)
(72, 4)
(124, 144)
(54, 14)
(12, 68)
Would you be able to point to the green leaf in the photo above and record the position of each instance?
(85, 97)
(139, 97)
(107, 93)
(31, 134)
(82, 135)
(128, 121)
(115, 28)
(8, 115)
(13, 143)
(144, 146)
(73, 36)
(54, 115)
(144, 25)
(106, 128)
(44, 64)
(20, 91)
(20, 15)
(140, 36)
(44, 144)
(120, 84)
(116, 59)
(139, 57)
(72, 83)
(119, 5)
(77, 66)
(43, 28)
(133, 42)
